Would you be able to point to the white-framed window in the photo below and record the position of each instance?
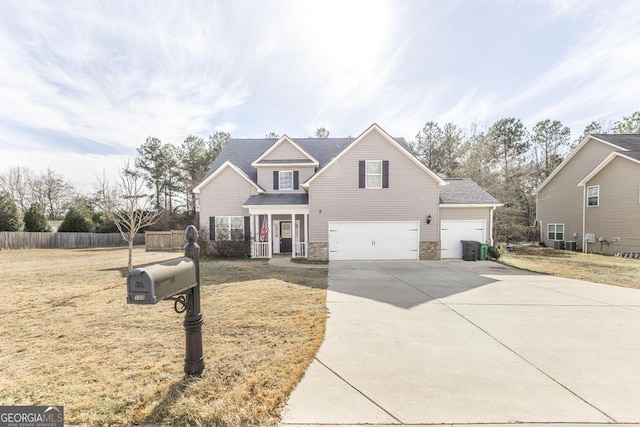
(555, 231)
(593, 195)
(285, 180)
(229, 228)
(374, 173)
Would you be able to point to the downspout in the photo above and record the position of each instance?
(491, 226)
(584, 219)
(538, 220)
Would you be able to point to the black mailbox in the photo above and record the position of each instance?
(161, 281)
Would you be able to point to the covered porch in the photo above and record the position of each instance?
(279, 225)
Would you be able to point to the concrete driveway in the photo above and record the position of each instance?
(470, 342)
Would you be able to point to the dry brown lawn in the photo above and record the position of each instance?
(67, 337)
(575, 265)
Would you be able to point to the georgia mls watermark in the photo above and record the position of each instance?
(31, 416)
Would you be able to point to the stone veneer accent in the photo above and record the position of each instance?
(318, 251)
(430, 251)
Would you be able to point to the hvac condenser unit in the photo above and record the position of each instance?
(590, 238)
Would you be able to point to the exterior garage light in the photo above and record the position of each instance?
(429, 219)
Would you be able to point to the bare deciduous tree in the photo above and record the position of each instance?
(127, 205)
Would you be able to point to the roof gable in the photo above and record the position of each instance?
(617, 142)
(375, 128)
(221, 169)
(284, 140)
(633, 156)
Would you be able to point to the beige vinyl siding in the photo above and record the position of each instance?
(471, 214)
(618, 214)
(224, 195)
(286, 151)
(265, 177)
(561, 200)
(335, 196)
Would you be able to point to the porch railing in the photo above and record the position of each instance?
(300, 250)
(260, 250)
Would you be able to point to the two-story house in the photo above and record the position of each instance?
(592, 199)
(340, 199)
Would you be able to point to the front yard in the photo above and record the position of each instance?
(575, 265)
(67, 337)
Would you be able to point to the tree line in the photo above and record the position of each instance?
(505, 158)
(508, 160)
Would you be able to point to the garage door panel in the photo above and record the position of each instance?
(362, 240)
(452, 232)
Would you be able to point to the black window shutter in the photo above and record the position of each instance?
(385, 174)
(362, 173)
(276, 180)
(296, 180)
(247, 228)
(212, 228)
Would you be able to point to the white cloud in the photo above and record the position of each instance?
(117, 72)
(597, 78)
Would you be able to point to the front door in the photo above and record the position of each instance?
(285, 236)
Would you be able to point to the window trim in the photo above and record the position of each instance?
(367, 174)
(597, 196)
(555, 231)
(228, 219)
(280, 175)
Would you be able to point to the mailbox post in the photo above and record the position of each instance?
(193, 360)
(177, 280)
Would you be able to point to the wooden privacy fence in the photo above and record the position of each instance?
(28, 240)
(164, 240)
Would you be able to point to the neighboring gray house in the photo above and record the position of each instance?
(593, 197)
(340, 199)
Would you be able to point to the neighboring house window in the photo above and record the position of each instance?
(593, 195)
(229, 228)
(373, 174)
(286, 180)
(555, 231)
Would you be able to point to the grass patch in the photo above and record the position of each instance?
(575, 265)
(69, 338)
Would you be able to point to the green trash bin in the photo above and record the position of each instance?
(483, 251)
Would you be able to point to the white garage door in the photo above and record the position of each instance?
(451, 232)
(356, 240)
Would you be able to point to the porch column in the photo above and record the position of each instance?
(270, 235)
(306, 235)
(293, 235)
(252, 227)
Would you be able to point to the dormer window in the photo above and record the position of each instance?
(285, 181)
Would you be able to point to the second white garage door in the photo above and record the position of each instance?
(377, 240)
(452, 232)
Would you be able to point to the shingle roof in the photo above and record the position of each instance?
(278, 199)
(284, 161)
(630, 141)
(633, 154)
(463, 191)
(242, 152)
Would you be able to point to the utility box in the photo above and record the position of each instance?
(157, 282)
(558, 244)
(570, 245)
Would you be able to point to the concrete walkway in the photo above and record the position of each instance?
(456, 342)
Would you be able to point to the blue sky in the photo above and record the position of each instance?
(82, 84)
